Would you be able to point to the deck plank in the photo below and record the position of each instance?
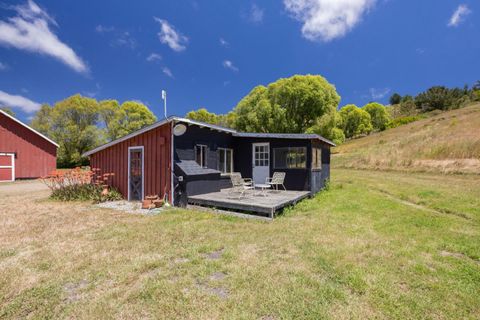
(252, 202)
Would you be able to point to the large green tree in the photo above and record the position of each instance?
(329, 126)
(287, 105)
(203, 115)
(79, 124)
(356, 121)
(379, 114)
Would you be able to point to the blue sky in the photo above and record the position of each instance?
(212, 53)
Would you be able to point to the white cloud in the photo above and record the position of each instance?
(124, 39)
(167, 72)
(15, 101)
(256, 14)
(459, 15)
(229, 65)
(377, 94)
(154, 57)
(102, 29)
(326, 20)
(30, 30)
(3, 66)
(171, 37)
(223, 42)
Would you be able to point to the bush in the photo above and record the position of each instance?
(85, 192)
(81, 185)
(379, 115)
(402, 121)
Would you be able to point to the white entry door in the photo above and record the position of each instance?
(260, 162)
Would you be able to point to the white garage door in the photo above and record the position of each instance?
(7, 167)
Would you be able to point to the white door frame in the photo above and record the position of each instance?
(253, 159)
(12, 167)
(143, 170)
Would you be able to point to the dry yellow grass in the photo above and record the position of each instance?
(448, 142)
(376, 245)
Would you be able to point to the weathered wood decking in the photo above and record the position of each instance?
(252, 202)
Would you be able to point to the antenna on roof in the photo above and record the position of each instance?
(164, 98)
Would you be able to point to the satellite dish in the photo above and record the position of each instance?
(179, 129)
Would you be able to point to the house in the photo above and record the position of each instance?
(180, 158)
(24, 152)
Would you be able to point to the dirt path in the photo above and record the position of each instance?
(26, 187)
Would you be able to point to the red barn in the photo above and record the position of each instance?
(24, 152)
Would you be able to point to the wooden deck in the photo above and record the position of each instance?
(251, 202)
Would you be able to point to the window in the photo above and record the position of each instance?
(262, 155)
(201, 155)
(290, 158)
(225, 160)
(316, 158)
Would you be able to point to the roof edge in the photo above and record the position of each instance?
(29, 128)
(156, 125)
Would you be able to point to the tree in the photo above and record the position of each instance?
(476, 86)
(8, 111)
(133, 116)
(108, 113)
(203, 115)
(328, 126)
(79, 124)
(287, 105)
(255, 113)
(441, 98)
(120, 120)
(356, 121)
(395, 99)
(379, 115)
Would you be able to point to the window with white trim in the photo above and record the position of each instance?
(290, 158)
(225, 160)
(316, 158)
(201, 155)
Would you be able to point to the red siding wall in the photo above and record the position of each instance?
(35, 156)
(157, 155)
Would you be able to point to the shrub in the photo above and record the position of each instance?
(81, 185)
(402, 121)
(379, 115)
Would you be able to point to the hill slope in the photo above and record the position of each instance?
(448, 142)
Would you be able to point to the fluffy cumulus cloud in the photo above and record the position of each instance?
(459, 15)
(229, 65)
(30, 30)
(170, 36)
(15, 101)
(326, 20)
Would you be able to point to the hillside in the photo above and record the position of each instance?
(448, 142)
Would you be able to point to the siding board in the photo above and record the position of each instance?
(156, 175)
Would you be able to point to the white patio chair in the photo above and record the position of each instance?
(277, 180)
(240, 185)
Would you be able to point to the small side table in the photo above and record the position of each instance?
(263, 188)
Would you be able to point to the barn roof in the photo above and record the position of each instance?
(210, 126)
(29, 128)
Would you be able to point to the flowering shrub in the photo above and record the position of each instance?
(81, 184)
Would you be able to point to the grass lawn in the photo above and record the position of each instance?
(376, 245)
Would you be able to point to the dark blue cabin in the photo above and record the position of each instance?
(205, 154)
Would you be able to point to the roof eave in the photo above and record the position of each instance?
(29, 128)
